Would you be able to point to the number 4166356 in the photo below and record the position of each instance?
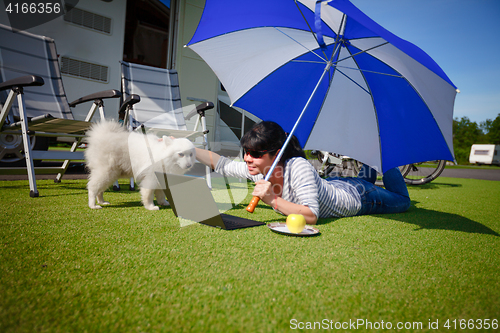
(33, 8)
(471, 324)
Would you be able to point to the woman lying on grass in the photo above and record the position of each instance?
(296, 188)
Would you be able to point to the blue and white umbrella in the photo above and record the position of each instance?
(328, 73)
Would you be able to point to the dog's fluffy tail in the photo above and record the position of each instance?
(102, 134)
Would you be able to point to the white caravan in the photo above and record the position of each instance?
(484, 154)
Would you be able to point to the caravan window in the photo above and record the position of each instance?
(481, 152)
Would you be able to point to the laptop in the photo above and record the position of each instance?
(191, 200)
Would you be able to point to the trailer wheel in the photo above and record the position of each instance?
(12, 149)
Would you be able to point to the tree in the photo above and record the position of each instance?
(493, 130)
(485, 125)
(465, 134)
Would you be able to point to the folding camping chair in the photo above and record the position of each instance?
(29, 70)
(160, 110)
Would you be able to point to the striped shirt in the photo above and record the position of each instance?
(302, 185)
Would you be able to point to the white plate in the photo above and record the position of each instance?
(281, 228)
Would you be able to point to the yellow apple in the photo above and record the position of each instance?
(295, 223)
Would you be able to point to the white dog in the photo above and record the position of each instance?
(113, 152)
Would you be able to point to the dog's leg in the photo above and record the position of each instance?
(147, 196)
(100, 199)
(92, 197)
(160, 198)
(96, 187)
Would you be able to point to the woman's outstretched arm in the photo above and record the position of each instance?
(207, 157)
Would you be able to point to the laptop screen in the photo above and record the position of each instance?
(190, 198)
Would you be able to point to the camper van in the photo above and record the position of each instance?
(93, 36)
(485, 154)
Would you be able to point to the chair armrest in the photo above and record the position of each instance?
(96, 96)
(200, 109)
(129, 102)
(23, 81)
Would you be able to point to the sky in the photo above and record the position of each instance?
(462, 36)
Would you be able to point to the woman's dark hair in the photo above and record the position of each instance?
(269, 136)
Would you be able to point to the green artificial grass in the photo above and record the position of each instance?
(66, 268)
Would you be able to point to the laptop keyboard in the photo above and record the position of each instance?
(233, 222)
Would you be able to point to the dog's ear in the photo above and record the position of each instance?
(167, 140)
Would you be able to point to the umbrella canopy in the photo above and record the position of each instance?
(365, 92)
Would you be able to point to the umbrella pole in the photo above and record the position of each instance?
(255, 200)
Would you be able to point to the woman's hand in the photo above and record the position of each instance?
(263, 190)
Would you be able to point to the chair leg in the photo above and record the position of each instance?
(7, 106)
(75, 145)
(66, 162)
(60, 174)
(101, 112)
(27, 147)
(116, 185)
(208, 171)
